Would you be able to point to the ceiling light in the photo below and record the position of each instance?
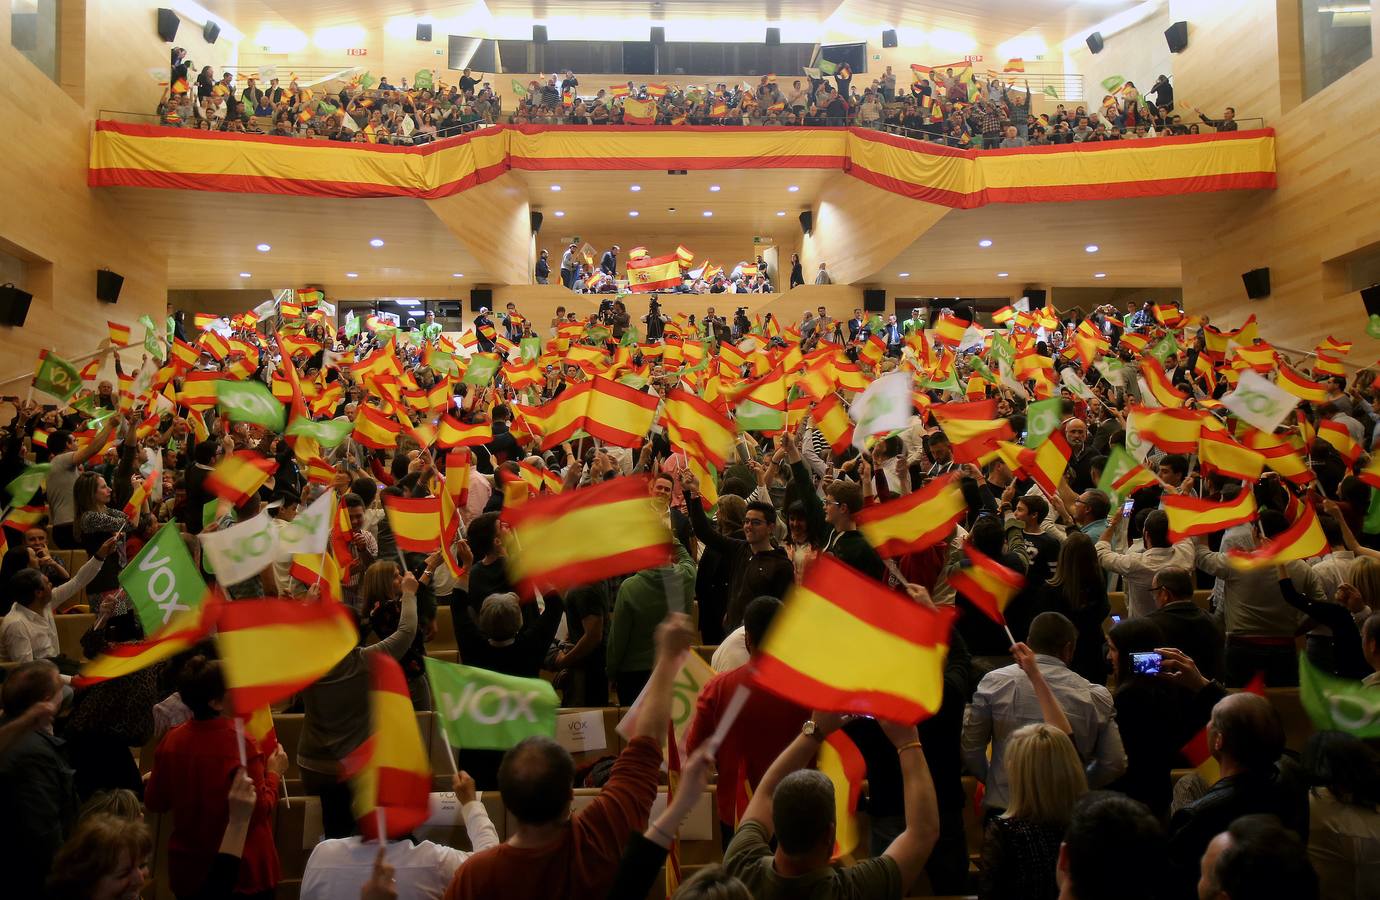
(244, 274)
(263, 248)
(633, 213)
(1091, 248)
(635, 188)
(457, 275)
(559, 213)
(555, 187)
(793, 188)
(376, 242)
(1003, 274)
(780, 212)
(985, 242)
(902, 274)
(714, 188)
(351, 274)
(707, 214)
(1099, 274)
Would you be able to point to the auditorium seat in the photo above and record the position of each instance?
(71, 626)
(568, 717)
(706, 651)
(699, 835)
(450, 656)
(445, 632)
(1298, 727)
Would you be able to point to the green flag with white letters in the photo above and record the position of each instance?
(1042, 420)
(328, 433)
(250, 401)
(56, 377)
(1339, 704)
(154, 342)
(162, 580)
(23, 488)
(483, 710)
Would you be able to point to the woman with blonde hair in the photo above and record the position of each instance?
(1022, 845)
(106, 858)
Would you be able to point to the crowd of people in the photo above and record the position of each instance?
(956, 109)
(1073, 737)
(578, 272)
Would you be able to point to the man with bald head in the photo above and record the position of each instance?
(1081, 454)
(1246, 738)
(1257, 859)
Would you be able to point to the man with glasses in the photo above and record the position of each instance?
(1183, 624)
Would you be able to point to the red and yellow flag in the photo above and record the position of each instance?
(239, 475)
(1302, 540)
(1157, 382)
(832, 421)
(690, 421)
(986, 583)
(885, 656)
(1300, 387)
(843, 762)
(1336, 434)
(619, 414)
(582, 536)
(973, 428)
(376, 429)
(1047, 463)
(119, 334)
(390, 773)
(949, 330)
(271, 649)
(416, 522)
(918, 520)
(186, 630)
(1171, 430)
(653, 273)
(454, 433)
(1218, 452)
(1189, 516)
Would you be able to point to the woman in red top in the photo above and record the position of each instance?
(192, 771)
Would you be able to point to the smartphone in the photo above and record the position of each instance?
(1146, 663)
(1127, 507)
(1116, 620)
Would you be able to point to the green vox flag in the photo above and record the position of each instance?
(1371, 523)
(162, 580)
(1002, 351)
(422, 80)
(351, 326)
(519, 89)
(1119, 462)
(1162, 349)
(1339, 704)
(481, 369)
(443, 362)
(753, 416)
(250, 401)
(483, 710)
(529, 349)
(826, 67)
(56, 376)
(1111, 83)
(636, 381)
(328, 433)
(154, 343)
(23, 488)
(630, 337)
(1042, 420)
(367, 81)
(1051, 91)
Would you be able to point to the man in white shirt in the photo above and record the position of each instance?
(29, 631)
(340, 867)
(1138, 567)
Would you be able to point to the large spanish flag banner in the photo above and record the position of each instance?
(271, 649)
(619, 414)
(884, 656)
(1189, 516)
(390, 774)
(579, 537)
(654, 273)
(1302, 540)
(918, 520)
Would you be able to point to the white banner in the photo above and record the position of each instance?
(241, 551)
(1260, 402)
(310, 531)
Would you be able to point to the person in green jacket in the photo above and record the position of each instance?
(644, 599)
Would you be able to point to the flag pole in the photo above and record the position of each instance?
(450, 753)
(239, 739)
(1012, 637)
(383, 824)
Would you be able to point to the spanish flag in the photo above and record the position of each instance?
(986, 583)
(693, 422)
(653, 273)
(1302, 540)
(1171, 430)
(1300, 387)
(1167, 314)
(841, 760)
(619, 414)
(1189, 516)
(1259, 356)
(639, 112)
(416, 522)
(832, 421)
(390, 773)
(1137, 342)
(119, 334)
(578, 537)
(684, 255)
(454, 433)
(185, 353)
(239, 476)
(973, 428)
(656, 90)
(1218, 452)
(183, 632)
(199, 390)
(918, 520)
(1328, 364)
(638, 253)
(1336, 434)
(563, 415)
(885, 653)
(271, 649)
(1197, 751)
(949, 330)
(1047, 463)
(375, 429)
(318, 568)
(137, 497)
(1157, 382)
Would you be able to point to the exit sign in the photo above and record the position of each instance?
(357, 51)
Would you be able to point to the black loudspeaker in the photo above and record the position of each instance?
(14, 305)
(773, 37)
(889, 37)
(1257, 283)
(1036, 296)
(874, 301)
(807, 222)
(658, 34)
(1371, 298)
(539, 34)
(1177, 37)
(423, 32)
(167, 25)
(210, 32)
(481, 298)
(1095, 42)
(536, 221)
(108, 285)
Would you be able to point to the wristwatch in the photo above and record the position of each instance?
(811, 730)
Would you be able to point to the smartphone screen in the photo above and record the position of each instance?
(1127, 507)
(1146, 663)
(1116, 620)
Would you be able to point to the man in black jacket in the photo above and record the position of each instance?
(1184, 625)
(759, 568)
(608, 263)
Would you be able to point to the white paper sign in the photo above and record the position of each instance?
(581, 732)
(1259, 402)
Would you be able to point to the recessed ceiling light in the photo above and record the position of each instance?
(376, 242)
(1003, 274)
(1091, 248)
(707, 213)
(351, 274)
(714, 188)
(780, 212)
(263, 248)
(985, 242)
(633, 213)
(555, 187)
(559, 213)
(793, 188)
(457, 275)
(244, 274)
(634, 188)
(902, 274)
(1099, 274)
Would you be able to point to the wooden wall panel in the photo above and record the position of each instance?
(492, 222)
(859, 228)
